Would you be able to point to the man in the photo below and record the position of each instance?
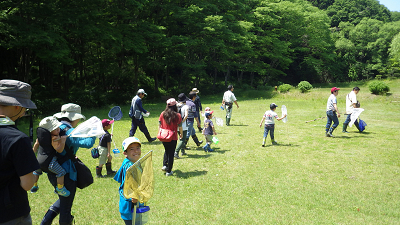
(199, 107)
(135, 113)
(331, 111)
(192, 115)
(17, 160)
(351, 103)
(228, 100)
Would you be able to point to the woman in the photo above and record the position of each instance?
(69, 116)
(170, 119)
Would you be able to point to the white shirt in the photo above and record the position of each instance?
(184, 111)
(329, 105)
(351, 99)
(229, 96)
(269, 117)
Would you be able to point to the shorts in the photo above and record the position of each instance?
(208, 138)
(103, 152)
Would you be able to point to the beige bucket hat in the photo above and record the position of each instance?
(71, 111)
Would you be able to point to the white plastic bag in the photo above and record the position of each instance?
(284, 112)
(90, 128)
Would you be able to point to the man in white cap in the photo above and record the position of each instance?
(135, 112)
(17, 160)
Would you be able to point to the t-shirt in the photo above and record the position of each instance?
(16, 159)
(329, 105)
(172, 126)
(208, 124)
(229, 96)
(269, 117)
(184, 112)
(192, 111)
(350, 99)
(105, 139)
(125, 205)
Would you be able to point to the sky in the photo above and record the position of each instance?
(392, 5)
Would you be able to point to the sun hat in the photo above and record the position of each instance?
(141, 91)
(195, 90)
(128, 141)
(334, 89)
(208, 113)
(49, 123)
(171, 102)
(16, 93)
(182, 97)
(107, 122)
(273, 105)
(207, 109)
(71, 111)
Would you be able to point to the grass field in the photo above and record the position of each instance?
(308, 178)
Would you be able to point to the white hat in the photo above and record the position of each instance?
(141, 91)
(71, 111)
(195, 90)
(49, 123)
(128, 141)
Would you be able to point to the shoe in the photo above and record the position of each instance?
(345, 131)
(199, 143)
(205, 147)
(62, 192)
(169, 174)
(274, 143)
(176, 155)
(164, 168)
(210, 149)
(183, 152)
(329, 135)
(34, 189)
(152, 139)
(262, 145)
(187, 147)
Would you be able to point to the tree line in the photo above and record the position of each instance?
(95, 51)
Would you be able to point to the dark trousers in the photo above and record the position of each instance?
(169, 154)
(63, 204)
(138, 123)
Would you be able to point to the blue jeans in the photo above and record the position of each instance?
(331, 116)
(348, 119)
(191, 130)
(271, 129)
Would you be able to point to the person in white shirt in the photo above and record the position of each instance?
(351, 103)
(228, 100)
(332, 112)
(269, 117)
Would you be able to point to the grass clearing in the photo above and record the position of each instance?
(306, 179)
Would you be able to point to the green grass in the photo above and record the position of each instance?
(306, 179)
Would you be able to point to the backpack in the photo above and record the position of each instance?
(95, 151)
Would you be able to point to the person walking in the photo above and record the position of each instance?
(227, 102)
(184, 111)
(17, 160)
(269, 126)
(332, 112)
(192, 116)
(171, 120)
(351, 103)
(199, 107)
(135, 112)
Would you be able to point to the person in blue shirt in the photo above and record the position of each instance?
(132, 151)
(135, 112)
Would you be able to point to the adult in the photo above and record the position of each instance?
(192, 116)
(351, 103)
(183, 109)
(170, 119)
(199, 107)
(332, 112)
(227, 101)
(135, 112)
(69, 116)
(17, 160)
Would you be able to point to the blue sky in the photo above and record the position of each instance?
(392, 5)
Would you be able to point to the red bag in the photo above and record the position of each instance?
(165, 135)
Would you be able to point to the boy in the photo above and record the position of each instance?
(105, 150)
(132, 151)
(208, 131)
(332, 112)
(270, 123)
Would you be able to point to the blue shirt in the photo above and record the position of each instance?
(192, 111)
(208, 124)
(125, 205)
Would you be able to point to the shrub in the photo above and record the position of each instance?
(304, 86)
(284, 88)
(378, 87)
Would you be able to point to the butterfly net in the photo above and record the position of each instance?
(90, 128)
(115, 113)
(139, 179)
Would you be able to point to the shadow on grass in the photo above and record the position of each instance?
(238, 125)
(185, 175)
(286, 145)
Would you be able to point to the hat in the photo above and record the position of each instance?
(50, 123)
(128, 141)
(273, 105)
(334, 89)
(182, 97)
(171, 102)
(16, 93)
(207, 109)
(208, 113)
(141, 91)
(71, 111)
(107, 122)
(195, 90)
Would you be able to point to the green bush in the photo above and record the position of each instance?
(284, 88)
(304, 86)
(378, 87)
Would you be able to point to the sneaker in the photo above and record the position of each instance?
(345, 131)
(152, 139)
(164, 168)
(62, 192)
(187, 147)
(210, 149)
(262, 145)
(183, 152)
(329, 135)
(274, 143)
(34, 189)
(176, 155)
(169, 174)
(205, 148)
(199, 143)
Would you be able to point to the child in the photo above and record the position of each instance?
(132, 151)
(270, 123)
(208, 131)
(47, 151)
(105, 150)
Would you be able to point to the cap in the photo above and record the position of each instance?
(16, 93)
(107, 122)
(171, 102)
(182, 97)
(273, 105)
(71, 111)
(208, 113)
(128, 141)
(49, 123)
(334, 89)
(195, 90)
(141, 91)
(207, 109)
(230, 87)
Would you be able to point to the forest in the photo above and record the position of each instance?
(97, 52)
